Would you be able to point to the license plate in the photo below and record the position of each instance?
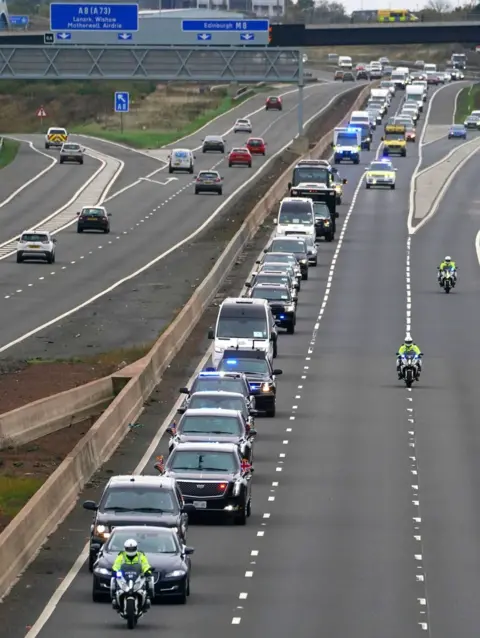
(33, 246)
(200, 505)
(92, 219)
(208, 181)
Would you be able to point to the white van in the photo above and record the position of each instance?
(399, 78)
(415, 93)
(430, 67)
(244, 324)
(296, 216)
(384, 94)
(359, 117)
(345, 62)
(181, 159)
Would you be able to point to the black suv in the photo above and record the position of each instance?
(260, 374)
(281, 302)
(136, 500)
(272, 277)
(213, 425)
(324, 224)
(293, 246)
(213, 478)
(212, 380)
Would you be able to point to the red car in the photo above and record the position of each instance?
(274, 103)
(240, 156)
(256, 146)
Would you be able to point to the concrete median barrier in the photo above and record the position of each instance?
(24, 536)
(58, 411)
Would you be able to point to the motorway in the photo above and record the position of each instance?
(342, 540)
(147, 220)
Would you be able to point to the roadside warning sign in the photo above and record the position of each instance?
(41, 112)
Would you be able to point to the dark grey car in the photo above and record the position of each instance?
(209, 182)
(213, 143)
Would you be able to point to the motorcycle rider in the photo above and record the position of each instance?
(132, 556)
(447, 264)
(408, 347)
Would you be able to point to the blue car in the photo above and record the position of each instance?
(457, 130)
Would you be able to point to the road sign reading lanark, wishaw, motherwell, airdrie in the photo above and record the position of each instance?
(93, 17)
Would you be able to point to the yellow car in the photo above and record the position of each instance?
(394, 140)
(380, 173)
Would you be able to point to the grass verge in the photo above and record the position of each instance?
(156, 139)
(468, 101)
(8, 152)
(15, 492)
(112, 359)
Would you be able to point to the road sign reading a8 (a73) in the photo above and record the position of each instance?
(122, 102)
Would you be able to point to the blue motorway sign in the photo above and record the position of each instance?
(93, 17)
(19, 21)
(225, 25)
(204, 36)
(122, 102)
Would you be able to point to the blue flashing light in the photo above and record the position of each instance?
(209, 373)
(232, 362)
(282, 316)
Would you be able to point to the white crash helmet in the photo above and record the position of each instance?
(131, 547)
(408, 339)
(448, 259)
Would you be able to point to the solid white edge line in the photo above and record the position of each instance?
(172, 249)
(77, 566)
(411, 204)
(438, 199)
(477, 246)
(53, 161)
(186, 137)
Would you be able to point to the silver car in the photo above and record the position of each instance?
(71, 152)
(243, 125)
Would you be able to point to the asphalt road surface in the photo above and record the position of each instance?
(147, 220)
(446, 406)
(27, 164)
(331, 545)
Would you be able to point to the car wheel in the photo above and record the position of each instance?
(106, 231)
(271, 413)
(49, 258)
(196, 192)
(52, 258)
(91, 562)
(392, 187)
(170, 169)
(19, 259)
(275, 350)
(181, 599)
(230, 165)
(367, 186)
(250, 165)
(47, 146)
(220, 192)
(241, 517)
(97, 597)
(60, 161)
(291, 329)
(79, 229)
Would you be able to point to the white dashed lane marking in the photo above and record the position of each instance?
(420, 575)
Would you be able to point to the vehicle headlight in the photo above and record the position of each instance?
(290, 308)
(102, 571)
(266, 387)
(326, 223)
(102, 530)
(303, 261)
(219, 349)
(177, 573)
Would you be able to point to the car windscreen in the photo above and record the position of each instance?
(199, 424)
(321, 210)
(295, 214)
(151, 541)
(202, 461)
(273, 279)
(310, 174)
(57, 131)
(93, 212)
(137, 498)
(34, 237)
(271, 294)
(379, 166)
(255, 142)
(71, 147)
(217, 401)
(211, 384)
(249, 366)
(288, 246)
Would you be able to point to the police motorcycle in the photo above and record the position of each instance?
(409, 367)
(447, 279)
(129, 588)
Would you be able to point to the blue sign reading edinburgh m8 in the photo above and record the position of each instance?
(225, 25)
(93, 17)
